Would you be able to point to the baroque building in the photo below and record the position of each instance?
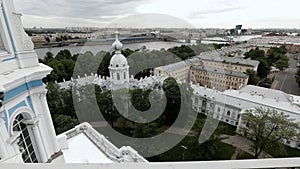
(27, 133)
(213, 69)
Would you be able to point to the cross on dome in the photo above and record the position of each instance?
(117, 45)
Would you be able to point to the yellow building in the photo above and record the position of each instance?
(219, 79)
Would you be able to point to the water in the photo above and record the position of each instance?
(106, 47)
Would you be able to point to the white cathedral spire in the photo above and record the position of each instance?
(26, 129)
(119, 68)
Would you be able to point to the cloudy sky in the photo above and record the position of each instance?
(160, 13)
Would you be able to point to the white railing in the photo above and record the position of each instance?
(242, 164)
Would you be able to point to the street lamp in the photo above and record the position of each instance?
(183, 149)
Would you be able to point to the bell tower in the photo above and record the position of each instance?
(119, 68)
(16, 48)
(26, 130)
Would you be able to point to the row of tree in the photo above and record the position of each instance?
(276, 56)
(141, 62)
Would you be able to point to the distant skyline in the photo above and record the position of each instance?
(160, 13)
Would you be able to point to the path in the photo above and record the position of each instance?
(241, 143)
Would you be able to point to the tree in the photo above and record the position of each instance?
(267, 128)
(282, 64)
(253, 78)
(61, 108)
(298, 77)
(47, 39)
(48, 57)
(263, 69)
(63, 123)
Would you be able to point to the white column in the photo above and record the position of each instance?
(3, 136)
(35, 98)
(48, 121)
(39, 143)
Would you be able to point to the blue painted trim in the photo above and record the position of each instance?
(13, 109)
(35, 83)
(8, 59)
(9, 31)
(21, 89)
(30, 103)
(5, 119)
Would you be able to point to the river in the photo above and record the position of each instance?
(41, 52)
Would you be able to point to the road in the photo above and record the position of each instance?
(285, 80)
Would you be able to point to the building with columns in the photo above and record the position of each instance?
(27, 133)
(26, 129)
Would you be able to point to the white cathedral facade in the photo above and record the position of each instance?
(27, 134)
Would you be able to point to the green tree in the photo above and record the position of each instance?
(253, 78)
(267, 128)
(263, 69)
(48, 57)
(61, 108)
(298, 77)
(64, 123)
(184, 52)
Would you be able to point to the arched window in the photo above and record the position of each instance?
(25, 142)
(118, 76)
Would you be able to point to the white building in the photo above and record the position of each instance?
(228, 106)
(27, 134)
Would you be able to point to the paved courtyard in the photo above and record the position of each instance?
(241, 143)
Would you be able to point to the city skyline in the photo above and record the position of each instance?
(190, 13)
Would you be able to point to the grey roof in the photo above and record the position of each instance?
(266, 93)
(220, 71)
(216, 55)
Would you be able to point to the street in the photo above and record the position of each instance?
(285, 80)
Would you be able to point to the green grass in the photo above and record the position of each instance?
(196, 151)
(244, 155)
(224, 152)
(224, 128)
(289, 152)
(292, 152)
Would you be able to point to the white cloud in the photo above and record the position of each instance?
(201, 13)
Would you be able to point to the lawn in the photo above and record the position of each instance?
(290, 152)
(244, 155)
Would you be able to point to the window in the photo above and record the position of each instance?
(118, 76)
(233, 115)
(124, 75)
(204, 103)
(228, 113)
(236, 123)
(25, 142)
(288, 142)
(219, 109)
(117, 65)
(196, 101)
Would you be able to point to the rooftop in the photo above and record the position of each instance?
(251, 97)
(97, 148)
(220, 71)
(216, 56)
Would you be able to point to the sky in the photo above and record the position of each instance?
(160, 13)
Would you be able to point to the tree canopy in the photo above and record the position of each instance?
(274, 57)
(267, 128)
